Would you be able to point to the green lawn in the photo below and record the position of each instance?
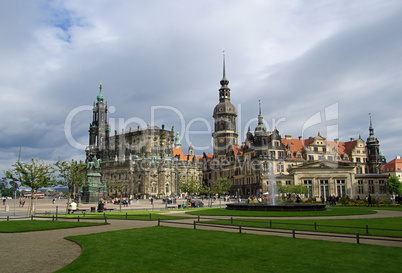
(129, 215)
(32, 225)
(165, 249)
(331, 211)
(358, 224)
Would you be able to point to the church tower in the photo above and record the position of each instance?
(260, 142)
(225, 134)
(99, 128)
(373, 150)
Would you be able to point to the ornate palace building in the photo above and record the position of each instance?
(351, 168)
(150, 162)
(139, 163)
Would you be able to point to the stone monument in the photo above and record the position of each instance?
(94, 188)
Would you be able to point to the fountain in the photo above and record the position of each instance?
(272, 184)
(273, 205)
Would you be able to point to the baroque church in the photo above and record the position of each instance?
(144, 162)
(139, 163)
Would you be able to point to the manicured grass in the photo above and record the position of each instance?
(34, 225)
(124, 215)
(165, 249)
(398, 208)
(359, 225)
(331, 211)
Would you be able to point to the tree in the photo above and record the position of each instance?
(5, 189)
(220, 186)
(118, 187)
(71, 174)
(190, 186)
(395, 186)
(205, 189)
(35, 175)
(289, 189)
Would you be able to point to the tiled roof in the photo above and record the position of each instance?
(294, 145)
(299, 144)
(395, 165)
(178, 152)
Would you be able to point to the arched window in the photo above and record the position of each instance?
(153, 187)
(167, 188)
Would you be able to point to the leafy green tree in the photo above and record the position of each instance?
(118, 187)
(220, 186)
(190, 186)
(34, 174)
(299, 189)
(289, 189)
(395, 186)
(6, 188)
(70, 174)
(205, 189)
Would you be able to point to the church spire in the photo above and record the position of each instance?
(373, 148)
(224, 91)
(224, 81)
(260, 118)
(100, 96)
(260, 130)
(371, 128)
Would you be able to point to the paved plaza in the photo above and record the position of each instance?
(46, 205)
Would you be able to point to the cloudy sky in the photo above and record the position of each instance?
(316, 66)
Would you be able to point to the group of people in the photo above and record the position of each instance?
(101, 205)
(330, 200)
(253, 199)
(370, 200)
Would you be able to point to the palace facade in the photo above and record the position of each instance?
(326, 168)
(139, 163)
(149, 161)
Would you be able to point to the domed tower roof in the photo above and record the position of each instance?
(225, 108)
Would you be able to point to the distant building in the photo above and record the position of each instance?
(393, 168)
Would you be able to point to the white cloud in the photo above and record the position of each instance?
(298, 57)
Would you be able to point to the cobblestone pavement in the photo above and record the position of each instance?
(48, 251)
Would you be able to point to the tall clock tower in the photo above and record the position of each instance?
(99, 128)
(373, 149)
(224, 115)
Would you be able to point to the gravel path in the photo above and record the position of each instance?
(48, 251)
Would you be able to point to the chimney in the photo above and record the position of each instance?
(352, 139)
(288, 137)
